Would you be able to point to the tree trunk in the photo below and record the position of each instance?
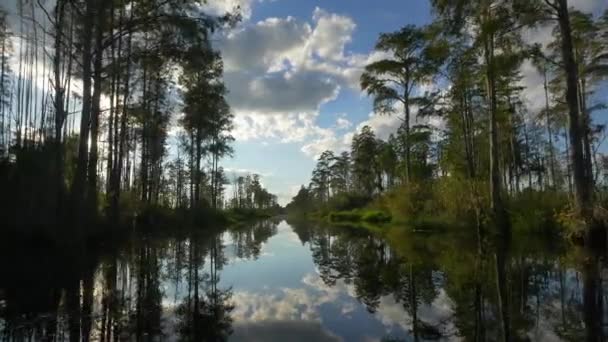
(592, 301)
(549, 131)
(119, 161)
(96, 109)
(502, 259)
(78, 188)
(583, 200)
(496, 202)
(59, 107)
(408, 167)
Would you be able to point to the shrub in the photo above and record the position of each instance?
(376, 216)
(344, 216)
(537, 211)
(347, 201)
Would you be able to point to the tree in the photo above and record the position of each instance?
(364, 162)
(206, 113)
(416, 57)
(534, 13)
(5, 83)
(320, 182)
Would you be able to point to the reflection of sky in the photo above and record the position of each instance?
(282, 290)
(280, 296)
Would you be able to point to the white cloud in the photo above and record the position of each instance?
(280, 92)
(331, 34)
(534, 94)
(238, 172)
(343, 123)
(329, 141)
(280, 71)
(284, 127)
(221, 7)
(257, 47)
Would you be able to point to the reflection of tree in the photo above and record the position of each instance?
(593, 312)
(248, 239)
(375, 270)
(56, 298)
(301, 227)
(205, 313)
(148, 294)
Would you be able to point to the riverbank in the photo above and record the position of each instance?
(150, 219)
(531, 212)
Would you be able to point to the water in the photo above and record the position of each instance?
(274, 281)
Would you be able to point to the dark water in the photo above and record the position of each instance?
(275, 281)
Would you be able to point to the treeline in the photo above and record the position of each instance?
(464, 70)
(89, 93)
(248, 193)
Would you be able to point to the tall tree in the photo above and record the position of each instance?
(416, 57)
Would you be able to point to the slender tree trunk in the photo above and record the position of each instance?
(197, 171)
(549, 131)
(586, 127)
(119, 162)
(408, 168)
(96, 109)
(78, 188)
(113, 96)
(592, 301)
(583, 199)
(59, 106)
(3, 143)
(143, 170)
(495, 182)
(501, 258)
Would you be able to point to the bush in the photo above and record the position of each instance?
(376, 216)
(347, 201)
(537, 211)
(344, 216)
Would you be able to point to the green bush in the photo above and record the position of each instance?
(537, 211)
(344, 216)
(347, 201)
(376, 216)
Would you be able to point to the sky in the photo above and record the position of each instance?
(292, 68)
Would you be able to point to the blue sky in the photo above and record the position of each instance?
(322, 46)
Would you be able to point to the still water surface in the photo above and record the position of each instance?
(274, 281)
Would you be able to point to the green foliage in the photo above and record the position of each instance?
(536, 211)
(347, 201)
(239, 215)
(371, 216)
(344, 216)
(375, 216)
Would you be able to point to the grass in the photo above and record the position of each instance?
(238, 215)
(359, 215)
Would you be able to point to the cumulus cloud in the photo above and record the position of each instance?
(342, 122)
(221, 7)
(255, 48)
(280, 71)
(284, 127)
(331, 34)
(280, 92)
